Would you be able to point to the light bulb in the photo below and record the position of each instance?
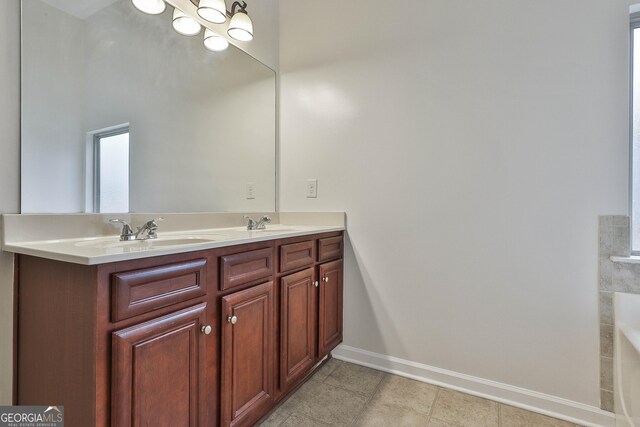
(215, 42)
(241, 27)
(213, 11)
(184, 24)
(152, 7)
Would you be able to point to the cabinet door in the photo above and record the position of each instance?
(159, 371)
(330, 307)
(298, 328)
(247, 363)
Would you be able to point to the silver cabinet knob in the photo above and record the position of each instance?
(233, 320)
(206, 329)
(316, 283)
(326, 280)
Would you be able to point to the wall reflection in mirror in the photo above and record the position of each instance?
(120, 112)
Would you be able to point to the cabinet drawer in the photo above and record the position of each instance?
(297, 255)
(329, 248)
(245, 267)
(141, 291)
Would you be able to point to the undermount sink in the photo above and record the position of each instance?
(143, 244)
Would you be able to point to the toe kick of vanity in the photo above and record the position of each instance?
(212, 337)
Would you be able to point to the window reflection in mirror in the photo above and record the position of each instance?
(111, 177)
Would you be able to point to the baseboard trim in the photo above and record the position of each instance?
(522, 398)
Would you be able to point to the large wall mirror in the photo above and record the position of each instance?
(122, 114)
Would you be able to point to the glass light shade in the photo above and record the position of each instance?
(184, 24)
(213, 11)
(215, 42)
(241, 27)
(152, 7)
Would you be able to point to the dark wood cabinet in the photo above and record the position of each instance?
(122, 344)
(247, 367)
(158, 371)
(330, 307)
(298, 326)
(311, 306)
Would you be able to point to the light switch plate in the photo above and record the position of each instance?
(312, 188)
(251, 190)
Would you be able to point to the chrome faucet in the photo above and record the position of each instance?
(126, 233)
(147, 231)
(260, 225)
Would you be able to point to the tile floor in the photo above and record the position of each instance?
(344, 394)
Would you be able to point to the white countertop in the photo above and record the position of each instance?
(106, 249)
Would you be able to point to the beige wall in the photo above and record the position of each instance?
(473, 145)
(9, 176)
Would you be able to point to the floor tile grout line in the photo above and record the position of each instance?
(433, 405)
(285, 420)
(338, 364)
(369, 399)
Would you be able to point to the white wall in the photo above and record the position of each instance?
(473, 145)
(9, 177)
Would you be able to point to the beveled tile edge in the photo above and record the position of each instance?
(631, 259)
(530, 400)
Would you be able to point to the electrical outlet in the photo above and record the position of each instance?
(312, 188)
(251, 190)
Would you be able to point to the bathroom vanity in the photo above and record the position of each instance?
(214, 334)
(212, 327)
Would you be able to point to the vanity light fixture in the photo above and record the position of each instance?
(215, 42)
(213, 11)
(152, 7)
(185, 24)
(240, 26)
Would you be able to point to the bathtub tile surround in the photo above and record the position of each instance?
(606, 340)
(333, 397)
(614, 240)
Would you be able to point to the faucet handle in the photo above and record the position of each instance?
(127, 231)
(148, 229)
(153, 222)
(261, 224)
(251, 224)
